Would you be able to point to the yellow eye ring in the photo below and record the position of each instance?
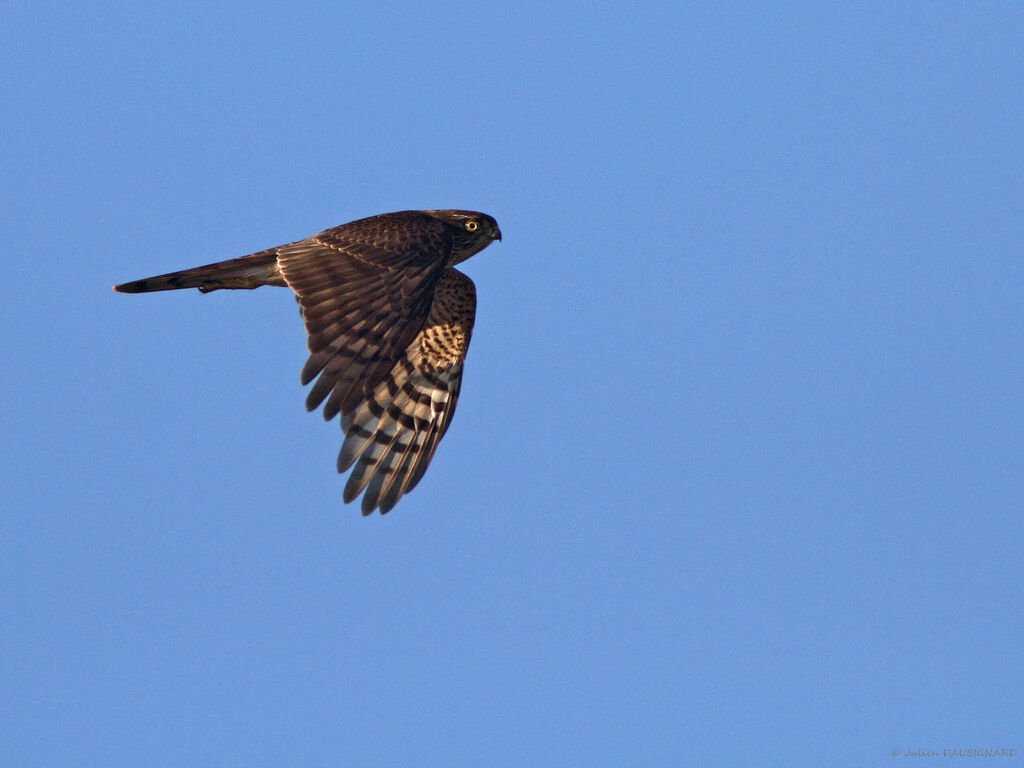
(472, 226)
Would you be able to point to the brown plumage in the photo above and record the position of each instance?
(389, 322)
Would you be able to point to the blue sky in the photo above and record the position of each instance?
(737, 475)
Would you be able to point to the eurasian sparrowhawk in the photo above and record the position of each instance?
(389, 322)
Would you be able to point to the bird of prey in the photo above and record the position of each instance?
(389, 322)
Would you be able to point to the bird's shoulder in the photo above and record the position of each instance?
(390, 239)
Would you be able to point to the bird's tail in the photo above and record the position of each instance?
(246, 272)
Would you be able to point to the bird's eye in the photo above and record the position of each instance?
(472, 226)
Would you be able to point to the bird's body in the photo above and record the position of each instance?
(389, 322)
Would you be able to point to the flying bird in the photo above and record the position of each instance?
(389, 321)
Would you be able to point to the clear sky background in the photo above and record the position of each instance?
(737, 476)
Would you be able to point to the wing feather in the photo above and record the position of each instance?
(365, 290)
(389, 324)
(392, 435)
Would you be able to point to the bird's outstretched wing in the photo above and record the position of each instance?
(388, 329)
(391, 435)
(365, 290)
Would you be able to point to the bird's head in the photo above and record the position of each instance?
(472, 231)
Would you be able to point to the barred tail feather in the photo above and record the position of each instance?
(246, 272)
